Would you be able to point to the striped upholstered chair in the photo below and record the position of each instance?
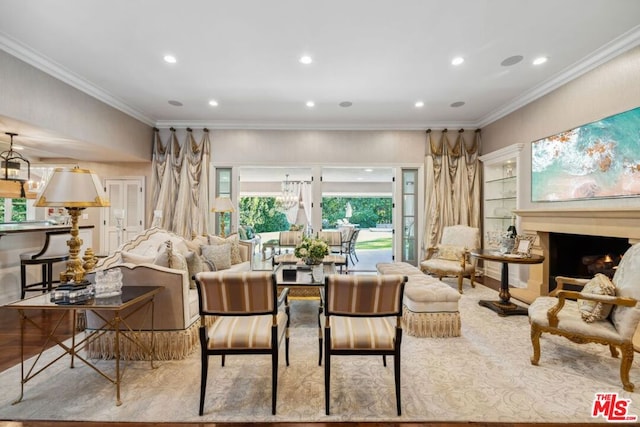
(248, 320)
(359, 313)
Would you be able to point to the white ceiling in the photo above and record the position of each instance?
(382, 56)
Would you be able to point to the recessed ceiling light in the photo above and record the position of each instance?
(346, 104)
(213, 103)
(368, 170)
(170, 59)
(539, 61)
(457, 60)
(512, 60)
(306, 59)
(311, 104)
(419, 104)
(175, 103)
(457, 104)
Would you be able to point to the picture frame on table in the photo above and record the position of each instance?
(523, 244)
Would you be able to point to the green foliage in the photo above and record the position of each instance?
(261, 214)
(367, 211)
(18, 210)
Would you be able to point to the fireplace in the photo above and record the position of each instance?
(583, 256)
(622, 223)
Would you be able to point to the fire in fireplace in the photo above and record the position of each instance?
(577, 255)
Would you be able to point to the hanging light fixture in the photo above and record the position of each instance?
(11, 164)
(289, 197)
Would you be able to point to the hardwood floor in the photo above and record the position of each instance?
(35, 339)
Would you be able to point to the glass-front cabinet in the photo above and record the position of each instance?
(500, 199)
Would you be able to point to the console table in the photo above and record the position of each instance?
(131, 295)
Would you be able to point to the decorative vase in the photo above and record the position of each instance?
(317, 273)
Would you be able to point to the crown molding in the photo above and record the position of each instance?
(616, 47)
(57, 71)
(166, 124)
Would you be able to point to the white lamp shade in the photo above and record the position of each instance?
(222, 204)
(72, 188)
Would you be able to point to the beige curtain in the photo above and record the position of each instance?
(452, 194)
(180, 183)
(158, 166)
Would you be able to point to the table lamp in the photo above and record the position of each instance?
(222, 205)
(74, 189)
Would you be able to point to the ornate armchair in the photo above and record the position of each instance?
(248, 320)
(605, 312)
(452, 255)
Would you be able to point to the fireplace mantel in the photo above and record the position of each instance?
(620, 222)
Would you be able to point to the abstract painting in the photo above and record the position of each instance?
(597, 160)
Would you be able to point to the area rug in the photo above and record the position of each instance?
(482, 376)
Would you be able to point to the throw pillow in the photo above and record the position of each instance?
(235, 246)
(194, 245)
(134, 258)
(450, 252)
(218, 255)
(194, 266)
(168, 257)
(250, 232)
(593, 311)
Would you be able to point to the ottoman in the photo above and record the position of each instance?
(430, 307)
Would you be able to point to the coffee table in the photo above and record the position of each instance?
(304, 280)
(131, 295)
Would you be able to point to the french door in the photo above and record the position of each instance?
(125, 218)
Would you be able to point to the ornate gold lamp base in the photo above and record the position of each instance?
(75, 271)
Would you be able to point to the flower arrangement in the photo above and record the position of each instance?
(311, 250)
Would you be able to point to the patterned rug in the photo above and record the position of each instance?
(483, 376)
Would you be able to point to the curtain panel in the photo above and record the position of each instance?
(180, 183)
(452, 175)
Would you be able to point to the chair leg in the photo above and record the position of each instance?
(204, 363)
(274, 378)
(319, 336)
(613, 350)
(472, 276)
(396, 371)
(49, 276)
(327, 370)
(384, 360)
(535, 342)
(460, 277)
(23, 280)
(625, 366)
(222, 361)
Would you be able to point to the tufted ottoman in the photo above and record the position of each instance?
(430, 307)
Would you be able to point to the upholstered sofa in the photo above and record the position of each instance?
(176, 307)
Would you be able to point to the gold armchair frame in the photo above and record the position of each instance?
(625, 346)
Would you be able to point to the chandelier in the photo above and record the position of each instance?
(11, 164)
(289, 197)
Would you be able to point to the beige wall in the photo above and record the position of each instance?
(612, 88)
(311, 147)
(33, 97)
